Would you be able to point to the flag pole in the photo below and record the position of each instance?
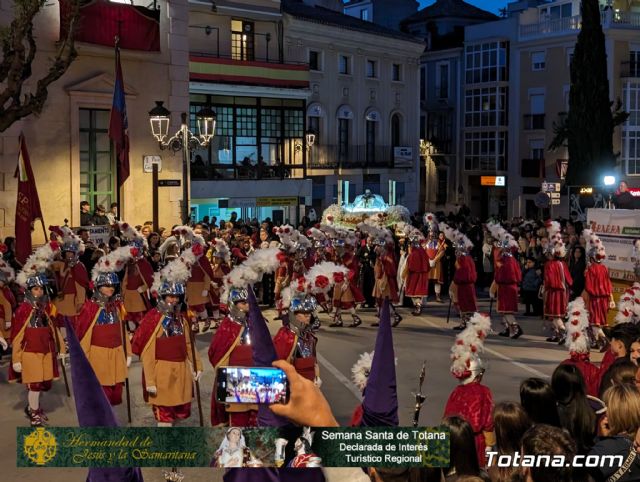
(118, 186)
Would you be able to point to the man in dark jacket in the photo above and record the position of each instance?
(85, 215)
(100, 216)
(623, 199)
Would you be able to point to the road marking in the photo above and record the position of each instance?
(531, 370)
(341, 378)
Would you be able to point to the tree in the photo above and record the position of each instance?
(18, 53)
(588, 126)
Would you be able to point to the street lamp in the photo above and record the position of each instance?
(609, 180)
(184, 140)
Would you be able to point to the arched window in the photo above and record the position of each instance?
(315, 115)
(371, 126)
(345, 115)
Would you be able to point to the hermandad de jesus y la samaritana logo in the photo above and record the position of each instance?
(40, 446)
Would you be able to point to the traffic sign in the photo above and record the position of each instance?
(555, 195)
(149, 161)
(169, 183)
(555, 202)
(551, 186)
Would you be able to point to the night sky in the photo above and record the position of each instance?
(490, 5)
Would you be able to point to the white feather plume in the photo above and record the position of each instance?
(251, 270)
(130, 233)
(176, 271)
(38, 262)
(469, 344)
(577, 340)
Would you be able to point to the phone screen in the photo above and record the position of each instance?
(251, 385)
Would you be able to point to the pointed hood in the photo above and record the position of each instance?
(93, 408)
(264, 354)
(380, 404)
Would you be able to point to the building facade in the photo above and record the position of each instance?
(516, 86)
(387, 13)
(276, 73)
(71, 154)
(442, 26)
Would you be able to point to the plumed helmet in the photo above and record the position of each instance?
(171, 288)
(106, 279)
(476, 368)
(236, 295)
(303, 304)
(70, 247)
(37, 280)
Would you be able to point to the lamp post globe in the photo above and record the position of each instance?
(159, 118)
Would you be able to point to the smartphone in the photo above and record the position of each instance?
(264, 385)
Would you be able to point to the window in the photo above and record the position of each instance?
(631, 128)
(439, 131)
(535, 118)
(486, 107)
(485, 151)
(634, 62)
(537, 103)
(370, 144)
(314, 60)
(364, 14)
(537, 148)
(557, 11)
(441, 192)
(442, 80)
(343, 139)
(395, 130)
(97, 175)
(242, 40)
(372, 67)
(396, 72)
(538, 60)
(344, 64)
(486, 62)
(313, 124)
(371, 182)
(569, 56)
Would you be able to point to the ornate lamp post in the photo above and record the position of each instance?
(184, 140)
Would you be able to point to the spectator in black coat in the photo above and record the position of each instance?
(622, 198)
(85, 215)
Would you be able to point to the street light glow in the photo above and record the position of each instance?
(609, 180)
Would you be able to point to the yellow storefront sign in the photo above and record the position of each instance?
(276, 201)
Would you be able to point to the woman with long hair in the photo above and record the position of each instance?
(577, 267)
(510, 423)
(576, 415)
(463, 459)
(539, 401)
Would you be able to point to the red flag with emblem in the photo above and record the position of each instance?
(27, 205)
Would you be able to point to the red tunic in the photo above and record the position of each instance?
(285, 343)
(35, 340)
(590, 372)
(474, 403)
(417, 273)
(387, 268)
(219, 272)
(465, 278)
(598, 286)
(350, 261)
(556, 280)
(606, 362)
(225, 350)
(508, 276)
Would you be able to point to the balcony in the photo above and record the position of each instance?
(550, 27)
(630, 70)
(533, 122)
(571, 25)
(355, 157)
(250, 171)
(204, 67)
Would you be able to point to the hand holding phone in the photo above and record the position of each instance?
(255, 385)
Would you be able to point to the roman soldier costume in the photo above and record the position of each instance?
(346, 294)
(435, 249)
(220, 259)
(72, 278)
(507, 279)
(472, 400)
(138, 277)
(598, 290)
(463, 289)
(416, 271)
(100, 326)
(163, 342)
(557, 281)
(578, 344)
(7, 303)
(37, 342)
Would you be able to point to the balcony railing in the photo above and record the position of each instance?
(219, 69)
(630, 69)
(229, 172)
(354, 157)
(566, 25)
(533, 121)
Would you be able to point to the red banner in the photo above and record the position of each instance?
(138, 28)
(27, 204)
